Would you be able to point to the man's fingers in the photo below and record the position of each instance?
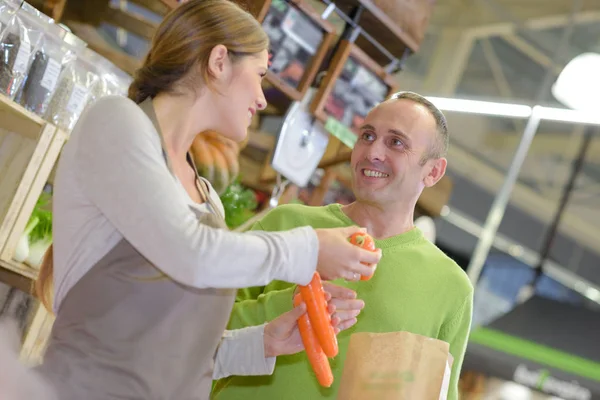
(346, 324)
(340, 304)
(339, 292)
(331, 308)
(346, 314)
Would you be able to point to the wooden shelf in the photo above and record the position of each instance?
(15, 118)
(313, 64)
(20, 269)
(17, 277)
(29, 148)
(382, 28)
(36, 338)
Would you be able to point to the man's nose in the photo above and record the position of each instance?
(376, 152)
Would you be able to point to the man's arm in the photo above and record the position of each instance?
(258, 305)
(456, 333)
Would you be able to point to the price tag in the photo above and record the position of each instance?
(341, 131)
(51, 74)
(77, 100)
(22, 59)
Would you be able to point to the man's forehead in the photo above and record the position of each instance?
(402, 115)
(402, 112)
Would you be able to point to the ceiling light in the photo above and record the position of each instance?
(578, 85)
(482, 107)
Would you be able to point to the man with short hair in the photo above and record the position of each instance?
(400, 150)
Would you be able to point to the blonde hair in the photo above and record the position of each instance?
(179, 57)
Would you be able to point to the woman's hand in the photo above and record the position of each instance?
(282, 336)
(338, 258)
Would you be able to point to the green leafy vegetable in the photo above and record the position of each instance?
(239, 203)
(42, 213)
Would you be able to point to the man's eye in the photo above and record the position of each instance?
(368, 136)
(397, 142)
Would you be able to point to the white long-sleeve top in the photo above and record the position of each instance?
(112, 183)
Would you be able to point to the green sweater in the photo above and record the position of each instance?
(416, 288)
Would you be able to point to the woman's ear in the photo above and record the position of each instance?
(438, 169)
(219, 64)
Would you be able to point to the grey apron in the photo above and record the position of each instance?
(125, 331)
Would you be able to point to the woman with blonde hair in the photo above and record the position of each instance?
(143, 272)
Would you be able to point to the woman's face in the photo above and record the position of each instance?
(239, 94)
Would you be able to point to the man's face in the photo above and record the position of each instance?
(386, 160)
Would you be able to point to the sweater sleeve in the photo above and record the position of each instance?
(122, 172)
(250, 309)
(456, 333)
(242, 352)
(257, 305)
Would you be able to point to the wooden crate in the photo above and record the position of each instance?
(29, 148)
(37, 335)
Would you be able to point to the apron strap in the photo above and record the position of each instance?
(201, 184)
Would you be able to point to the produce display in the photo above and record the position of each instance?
(37, 237)
(216, 158)
(365, 241)
(239, 204)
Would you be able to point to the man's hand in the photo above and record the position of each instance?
(282, 335)
(343, 306)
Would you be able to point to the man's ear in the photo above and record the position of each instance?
(437, 171)
(218, 62)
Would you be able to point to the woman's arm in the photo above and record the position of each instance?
(242, 352)
(121, 169)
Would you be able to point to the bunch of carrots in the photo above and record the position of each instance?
(318, 335)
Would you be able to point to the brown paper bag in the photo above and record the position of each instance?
(395, 366)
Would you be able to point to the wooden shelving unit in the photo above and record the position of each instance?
(380, 27)
(29, 149)
(308, 18)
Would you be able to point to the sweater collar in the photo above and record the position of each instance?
(402, 239)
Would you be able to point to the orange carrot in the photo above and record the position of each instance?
(365, 241)
(314, 352)
(316, 308)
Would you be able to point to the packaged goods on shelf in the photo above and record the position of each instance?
(112, 80)
(43, 76)
(8, 9)
(18, 43)
(76, 81)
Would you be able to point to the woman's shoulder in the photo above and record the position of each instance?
(117, 120)
(115, 106)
